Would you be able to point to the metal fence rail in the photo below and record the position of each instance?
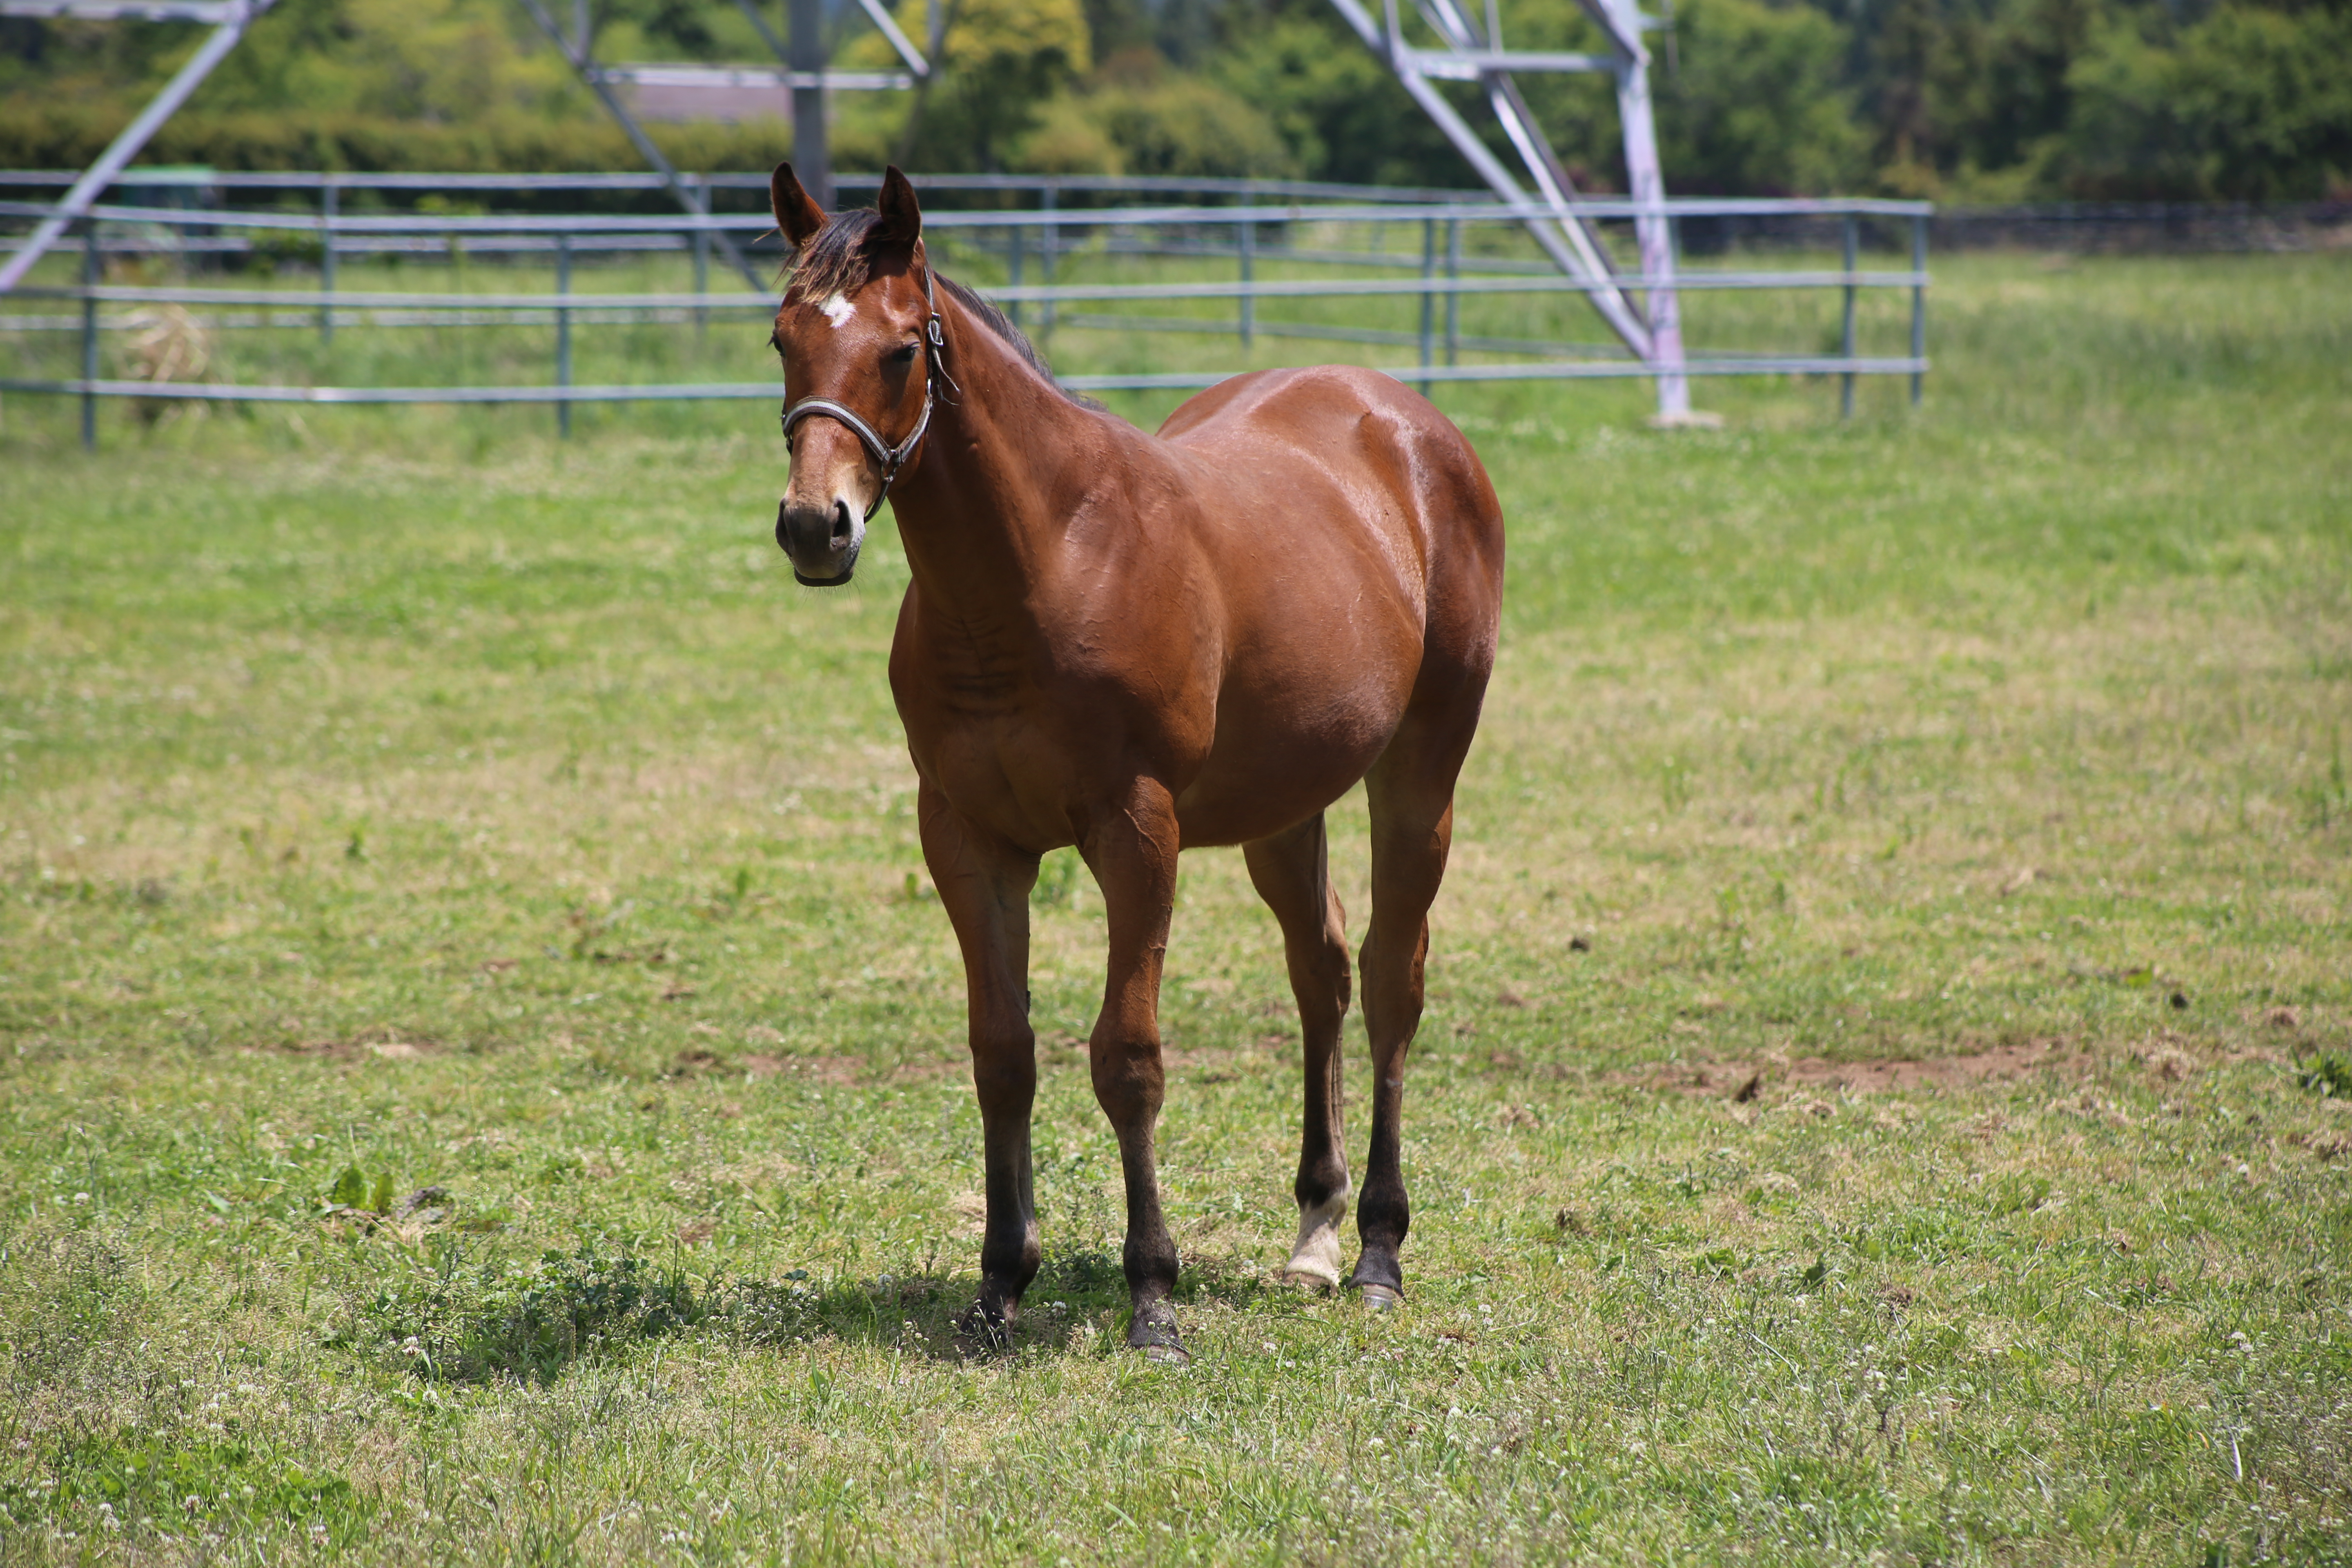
(1238, 214)
(738, 391)
(1438, 276)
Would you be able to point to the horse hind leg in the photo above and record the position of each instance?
(1410, 793)
(1292, 873)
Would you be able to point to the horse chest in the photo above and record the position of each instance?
(1029, 740)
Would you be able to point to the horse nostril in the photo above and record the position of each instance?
(841, 523)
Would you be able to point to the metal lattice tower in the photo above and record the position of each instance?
(228, 20)
(1473, 52)
(804, 75)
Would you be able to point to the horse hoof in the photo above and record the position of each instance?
(987, 1328)
(1154, 1333)
(1381, 1298)
(1314, 1281)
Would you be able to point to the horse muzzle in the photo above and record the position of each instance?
(821, 543)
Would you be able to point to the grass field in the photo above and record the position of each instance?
(482, 1068)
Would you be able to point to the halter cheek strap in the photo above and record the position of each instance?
(888, 457)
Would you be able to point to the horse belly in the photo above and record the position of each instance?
(1283, 751)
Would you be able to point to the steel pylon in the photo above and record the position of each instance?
(1473, 52)
(228, 20)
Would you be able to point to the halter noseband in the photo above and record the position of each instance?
(891, 458)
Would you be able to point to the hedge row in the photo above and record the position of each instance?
(53, 138)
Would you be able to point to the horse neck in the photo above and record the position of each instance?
(1007, 460)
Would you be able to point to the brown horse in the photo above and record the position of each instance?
(1140, 644)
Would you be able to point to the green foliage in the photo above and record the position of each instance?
(1974, 99)
(351, 1189)
(144, 1482)
(1000, 61)
(1757, 105)
(1339, 111)
(2330, 1075)
(2249, 103)
(437, 61)
(1144, 120)
(51, 136)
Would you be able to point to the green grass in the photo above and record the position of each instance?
(393, 801)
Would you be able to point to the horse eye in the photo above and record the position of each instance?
(903, 354)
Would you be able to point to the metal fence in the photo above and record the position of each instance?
(1316, 232)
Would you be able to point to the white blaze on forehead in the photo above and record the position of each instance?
(837, 310)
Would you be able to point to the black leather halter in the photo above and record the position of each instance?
(890, 459)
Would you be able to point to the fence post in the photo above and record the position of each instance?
(1048, 236)
(701, 256)
(563, 335)
(93, 268)
(1428, 299)
(1013, 242)
(1845, 332)
(1452, 298)
(1245, 245)
(330, 206)
(1918, 300)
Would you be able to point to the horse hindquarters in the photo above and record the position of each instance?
(1410, 792)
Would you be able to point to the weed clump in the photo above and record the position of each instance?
(2329, 1075)
(527, 1322)
(130, 1480)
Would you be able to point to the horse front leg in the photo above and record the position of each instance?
(983, 883)
(1131, 849)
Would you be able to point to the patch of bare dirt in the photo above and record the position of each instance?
(1744, 1081)
(380, 1042)
(702, 1062)
(970, 1210)
(1206, 1064)
(813, 1069)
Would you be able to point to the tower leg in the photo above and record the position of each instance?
(812, 158)
(1655, 235)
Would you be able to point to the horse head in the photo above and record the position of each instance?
(859, 335)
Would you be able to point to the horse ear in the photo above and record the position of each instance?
(902, 215)
(797, 216)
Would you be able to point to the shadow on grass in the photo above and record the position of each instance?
(529, 1324)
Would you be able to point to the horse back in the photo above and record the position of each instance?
(1354, 458)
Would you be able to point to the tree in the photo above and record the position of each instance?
(1001, 61)
(2252, 103)
(1755, 105)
